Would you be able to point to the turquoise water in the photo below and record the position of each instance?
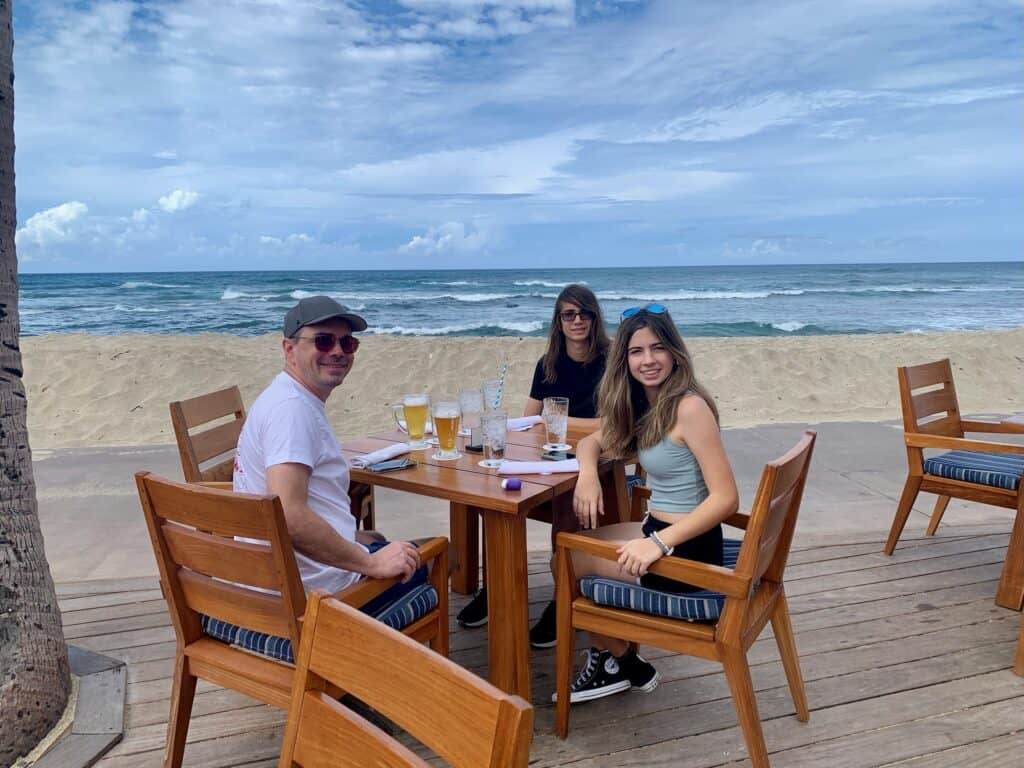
(704, 301)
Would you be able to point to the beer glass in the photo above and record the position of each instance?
(447, 414)
(494, 426)
(471, 402)
(415, 409)
(492, 391)
(556, 423)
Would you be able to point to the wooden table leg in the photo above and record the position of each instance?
(613, 488)
(1011, 584)
(463, 527)
(507, 636)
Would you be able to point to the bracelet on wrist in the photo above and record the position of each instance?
(666, 550)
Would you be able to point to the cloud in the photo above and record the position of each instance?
(178, 200)
(54, 225)
(449, 238)
(296, 237)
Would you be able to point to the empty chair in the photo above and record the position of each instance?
(461, 718)
(237, 606)
(733, 607)
(974, 470)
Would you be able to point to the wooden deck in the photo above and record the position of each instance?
(907, 662)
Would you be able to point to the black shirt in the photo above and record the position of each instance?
(577, 381)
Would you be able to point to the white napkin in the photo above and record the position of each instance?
(382, 454)
(523, 423)
(538, 467)
(429, 430)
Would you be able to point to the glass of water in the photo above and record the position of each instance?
(492, 391)
(556, 422)
(494, 426)
(472, 403)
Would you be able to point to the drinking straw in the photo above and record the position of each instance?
(501, 381)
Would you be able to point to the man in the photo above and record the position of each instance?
(287, 448)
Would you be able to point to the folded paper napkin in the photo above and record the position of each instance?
(538, 467)
(429, 430)
(383, 454)
(523, 423)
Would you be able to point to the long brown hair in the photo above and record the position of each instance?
(628, 421)
(585, 299)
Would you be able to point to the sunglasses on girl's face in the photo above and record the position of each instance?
(324, 342)
(569, 315)
(654, 309)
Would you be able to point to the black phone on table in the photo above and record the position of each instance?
(557, 455)
(392, 465)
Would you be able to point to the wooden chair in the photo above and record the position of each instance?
(202, 570)
(199, 448)
(462, 718)
(749, 595)
(974, 470)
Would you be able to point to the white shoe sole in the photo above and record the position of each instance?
(577, 697)
(650, 685)
(472, 625)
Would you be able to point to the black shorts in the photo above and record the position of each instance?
(706, 548)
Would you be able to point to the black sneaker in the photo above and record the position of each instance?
(474, 614)
(601, 676)
(641, 673)
(543, 633)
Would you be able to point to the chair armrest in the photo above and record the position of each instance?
(1003, 427)
(738, 520)
(221, 485)
(365, 590)
(918, 440)
(713, 577)
(641, 492)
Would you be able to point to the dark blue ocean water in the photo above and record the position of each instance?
(704, 301)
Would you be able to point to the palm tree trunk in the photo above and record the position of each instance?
(34, 677)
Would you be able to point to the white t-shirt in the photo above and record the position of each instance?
(288, 425)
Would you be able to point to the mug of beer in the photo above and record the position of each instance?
(447, 414)
(414, 410)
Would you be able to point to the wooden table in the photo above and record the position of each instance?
(504, 513)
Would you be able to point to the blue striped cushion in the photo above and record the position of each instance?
(413, 605)
(999, 470)
(703, 605)
(634, 480)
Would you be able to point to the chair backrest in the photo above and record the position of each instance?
(765, 548)
(203, 569)
(198, 448)
(928, 399)
(461, 718)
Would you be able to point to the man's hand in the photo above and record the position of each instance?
(398, 559)
(637, 555)
(588, 501)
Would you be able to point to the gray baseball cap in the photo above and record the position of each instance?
(317, 309)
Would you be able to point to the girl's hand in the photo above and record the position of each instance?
(637, 555)
(588, 501)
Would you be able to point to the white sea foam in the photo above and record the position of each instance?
(476, 297)
(146, 284)
(789, 326)
(123, 308)
(545, 283)
(444, 330)
(451, 282)
(683, 295)
(230, 294)
(299, 294)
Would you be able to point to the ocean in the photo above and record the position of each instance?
(704, 301)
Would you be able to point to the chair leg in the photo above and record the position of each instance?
(1010, 593)
(183, 689)
(783, 629)
(737, 672)
(907, 499)
(1018, 667)
(438, 578)
(369, 507)
(940, 509)
(564, 637)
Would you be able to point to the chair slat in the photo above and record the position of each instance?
(216, 440)
(455, 720)
(927, 404)
(948, 426)
(331, 736)
(222, 558)
(223, 472)
(204, 408)
(220, 512)
(236, 605)
(928, 374)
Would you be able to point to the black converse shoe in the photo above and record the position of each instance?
(601, 676)
(475, 612)
(543, 633)
(641, 673)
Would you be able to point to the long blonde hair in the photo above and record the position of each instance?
(628, 421)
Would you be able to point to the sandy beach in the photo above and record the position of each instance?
(92, 390)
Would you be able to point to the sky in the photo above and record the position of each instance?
(347, 134)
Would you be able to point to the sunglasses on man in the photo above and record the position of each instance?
(569, 315)
(654, 309)
(324, 342)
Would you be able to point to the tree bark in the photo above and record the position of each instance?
(34, 677)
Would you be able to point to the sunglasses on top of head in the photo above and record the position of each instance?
(324, 342)
(654, 309)
(569, 315)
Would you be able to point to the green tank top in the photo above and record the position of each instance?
(673, 475)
